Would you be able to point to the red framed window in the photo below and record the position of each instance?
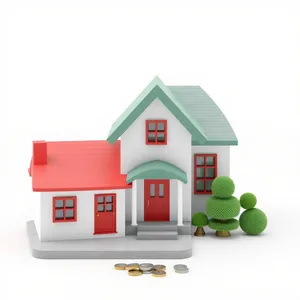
(205, 171)
(156, 132)
(65, 209)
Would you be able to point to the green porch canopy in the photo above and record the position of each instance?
(156, 169)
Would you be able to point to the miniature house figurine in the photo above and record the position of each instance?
(125, 196)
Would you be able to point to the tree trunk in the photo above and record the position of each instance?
(199, 231)
(223, 233)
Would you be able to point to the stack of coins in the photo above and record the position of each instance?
(135, 269)
(146, 268)
(181, 269)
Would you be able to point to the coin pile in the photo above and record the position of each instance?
(135, 269)
(181, 269)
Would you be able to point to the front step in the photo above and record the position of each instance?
(157, 235)
(157, 231)
(160, 226)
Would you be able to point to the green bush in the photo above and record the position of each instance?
(248, 200)
(199, 219)
(222, 208)
(253, 221)
(223, 187)
(227, 225)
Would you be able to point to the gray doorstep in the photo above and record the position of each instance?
(114, 248)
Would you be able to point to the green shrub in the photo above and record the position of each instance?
(253, 221)
(199, 219)
(222, 208)
(222, 187)
(227, 225)
(248, 200)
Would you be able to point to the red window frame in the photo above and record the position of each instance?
(156, 132)
(205, 167)
(64, 209)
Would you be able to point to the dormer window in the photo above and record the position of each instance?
(156, 132)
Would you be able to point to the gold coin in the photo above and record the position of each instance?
(159, 267)
(132, 267)
(159, 273)
(135, 273)
(120, 266)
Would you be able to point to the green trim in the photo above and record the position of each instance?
(216, 143)
(156, 89)
(156, 169)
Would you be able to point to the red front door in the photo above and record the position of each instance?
(157, 200)
(105, 213)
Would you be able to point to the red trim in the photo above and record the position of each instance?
(156, 132)
(106, 217)
(64, 209)
(205, 167)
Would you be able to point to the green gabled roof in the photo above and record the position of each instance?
(194, 109)
(156, 89)
(156, 169)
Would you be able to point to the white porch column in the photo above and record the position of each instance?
(180, 204)
(134, 204)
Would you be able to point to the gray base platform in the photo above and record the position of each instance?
(127, 247)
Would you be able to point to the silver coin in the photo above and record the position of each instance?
(182, 270)
(148, 272)
(146, 267)
(180, 267)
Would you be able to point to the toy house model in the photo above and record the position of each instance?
(138, 188)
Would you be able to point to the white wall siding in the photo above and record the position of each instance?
(134, 152)
(84, 227)
(223, 169)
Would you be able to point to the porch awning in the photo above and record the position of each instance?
(156, 169)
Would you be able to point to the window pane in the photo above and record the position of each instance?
(100, 199)
(161, 137)
(200, 172)
(210, 172)
(161, 190)
(152, 190)
(208, 185)
(100, 208)
(200, 185)
(200, 161)
(161, 127)
(210, 161)
(59, 203)
(69, 203)
(59, 214)
(151, 126)
(70, 214)
(151, 137)
(108, 199)
(108, 207)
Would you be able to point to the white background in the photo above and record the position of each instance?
(69, 68)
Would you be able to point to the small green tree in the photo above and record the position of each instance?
(200, 220)
(223, 207)
(248, 200)
(253, 221)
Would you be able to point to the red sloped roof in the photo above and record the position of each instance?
(78, 166)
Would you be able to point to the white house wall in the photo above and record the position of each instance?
(84, 227)
(134, 152)
(223, 169)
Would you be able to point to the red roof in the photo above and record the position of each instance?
(78, 166)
